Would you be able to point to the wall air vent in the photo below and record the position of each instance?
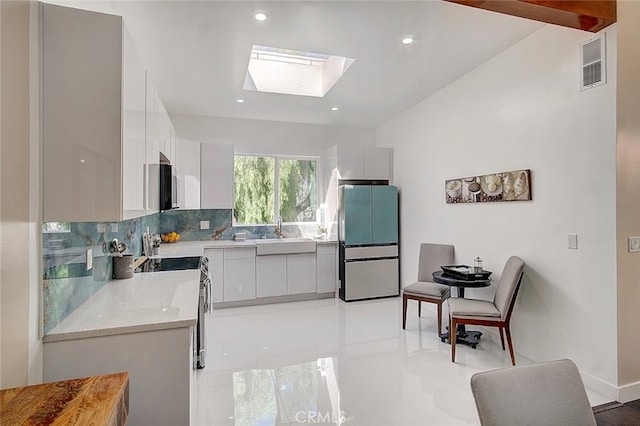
(592, 63)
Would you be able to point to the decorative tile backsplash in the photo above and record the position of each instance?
(66, 282)
(187, 224)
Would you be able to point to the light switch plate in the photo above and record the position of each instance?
(89, 261)
(204, 224)
(572, 241)
(634, 244)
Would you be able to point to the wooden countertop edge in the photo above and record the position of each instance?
(90, 400)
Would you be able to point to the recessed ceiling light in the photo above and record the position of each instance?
(334, 109)
(260, 16)
(240, 101)
(407, 40)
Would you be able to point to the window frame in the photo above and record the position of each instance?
(276, 170)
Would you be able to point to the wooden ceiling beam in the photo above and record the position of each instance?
(587, 15)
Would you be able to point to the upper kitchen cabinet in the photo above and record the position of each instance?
(152, 149)
(188, 169)
(166, 132)
(357, 162)
(93, 89)
(216, 172)
(133, 133)
(377, 163)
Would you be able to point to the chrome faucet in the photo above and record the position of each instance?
(278, 230)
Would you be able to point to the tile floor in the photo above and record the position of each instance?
(331, 362)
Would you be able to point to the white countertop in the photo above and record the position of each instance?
(146, 302)
(196, 248)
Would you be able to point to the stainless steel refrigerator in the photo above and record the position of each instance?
(368, 235)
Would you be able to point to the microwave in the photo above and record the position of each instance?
(168, 187)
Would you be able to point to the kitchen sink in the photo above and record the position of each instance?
(285, 246)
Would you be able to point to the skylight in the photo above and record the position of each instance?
(291, 72)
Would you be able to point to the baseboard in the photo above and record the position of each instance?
(600, 386)
(275, 299)
(630, 392)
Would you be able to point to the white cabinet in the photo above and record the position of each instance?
(82, 110)
(216, 271)
(159, 364)
(216, 173)
(271, 275)
(188, 170)
(301, 273)
(152, 151)
(357, 162)
(165, 129)
(350, 162)
(377, 163)
(103, 121)
(327, 268)
(239, 274)
(133, 132)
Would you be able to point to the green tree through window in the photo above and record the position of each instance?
(256, 189)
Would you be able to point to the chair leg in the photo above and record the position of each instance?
(501, 331)
(439, 319)
(452, 339)
(404, 311)
(513, 357)
(419, 308)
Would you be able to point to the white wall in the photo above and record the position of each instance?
(268, 137)
(523, 110)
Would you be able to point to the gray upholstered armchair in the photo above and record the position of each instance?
(544, 394)
(432, 257)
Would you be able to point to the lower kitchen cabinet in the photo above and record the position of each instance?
(242, 277)
(301, 273)
(216, 272)
(327, 270)
(271, 275)
(159, 364)
(239, 272)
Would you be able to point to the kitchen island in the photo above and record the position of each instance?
(142, 325)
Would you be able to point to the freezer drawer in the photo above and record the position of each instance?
(371, 279)
(368, 252)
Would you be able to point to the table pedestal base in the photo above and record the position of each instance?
(471, 338)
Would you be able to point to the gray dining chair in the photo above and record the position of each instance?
(432, 256)
(548, 393)
(496, 313)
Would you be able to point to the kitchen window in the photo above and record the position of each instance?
(268, 187)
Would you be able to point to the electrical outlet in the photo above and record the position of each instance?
(634, 244)
(572, 241)
(89, 260)
(204, 224)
